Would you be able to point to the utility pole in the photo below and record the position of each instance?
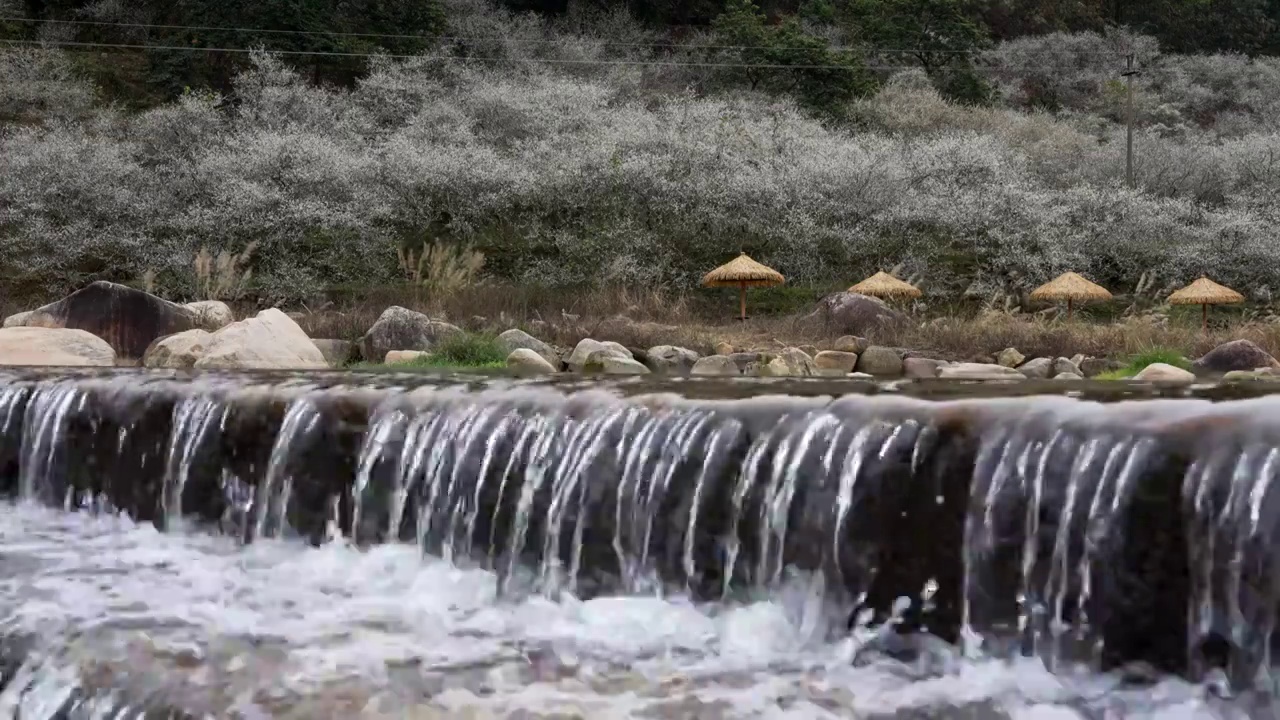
(1129, 72)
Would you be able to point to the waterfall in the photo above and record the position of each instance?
(1108, 533)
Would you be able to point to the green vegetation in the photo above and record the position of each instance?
(461, 352)
(1136, 363)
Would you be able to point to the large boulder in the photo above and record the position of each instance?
(611, 365)
(1010, 357)
(1234, 355)
(17, 319)
(180, 350)
(714, 365)
(526, 361)
(856, 314)
(515, 339)
(1038, 368)
(851, 344)
(791, 362)
(128, 319)
(881, 362)
(587, 347)
(670, 359)
(270, 339)
(54, 346)
(212, 315)
(399, 328)
(844, 362)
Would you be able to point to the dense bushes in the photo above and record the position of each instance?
(571, 174)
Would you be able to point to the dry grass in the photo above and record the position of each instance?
(225, 276)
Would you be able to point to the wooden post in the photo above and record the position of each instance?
(742, 300)
(1204, 318)
(1068, 309)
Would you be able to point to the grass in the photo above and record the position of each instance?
(469, 351)
(1136, 363)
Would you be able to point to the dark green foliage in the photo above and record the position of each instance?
(790, 61)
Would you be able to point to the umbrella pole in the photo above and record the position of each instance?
(742, 300)
(1204, 318)
(1068, 309)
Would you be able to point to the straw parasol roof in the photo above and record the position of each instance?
(884, 285)
(1205, 292)
(1070, 286)
(742, 271)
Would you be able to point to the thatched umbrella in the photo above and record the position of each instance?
(1205, 292)
(884, 285)
(742, 272)
(1071, 287)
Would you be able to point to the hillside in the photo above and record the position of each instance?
(591, 147)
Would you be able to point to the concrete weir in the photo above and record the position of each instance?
(1140, 531)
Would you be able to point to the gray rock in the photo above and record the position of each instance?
(527, 361)
(881, 362)
(516, 339)
(336, 352)
(845, 362)
(1010, 358)
(1234, 355)
(745, 360)
(1037, 368)
(17, 319)
(212, 315)
(716, 365)
(404, 357)
(1078, 359)
(1068, 376)
(611, 365)
(587, 347)
(861, 376)
(1063, 365)
(1093, 367)
(127, 318)
(856, 314)
(670, 359)
(979, 371)
(403, 329)
(919, 368)
(179, 350)
(852, 344)
(796, 361)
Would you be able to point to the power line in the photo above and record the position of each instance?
(89, 46)
(495, 38)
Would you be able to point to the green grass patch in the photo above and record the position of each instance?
(1137, 363)
(460, 352)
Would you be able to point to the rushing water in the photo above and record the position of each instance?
(373, 551)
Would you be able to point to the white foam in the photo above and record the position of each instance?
(279, 625)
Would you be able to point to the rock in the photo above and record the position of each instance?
(852, 344)
(399, 328)
(586, 347)
(1165, 374)
(1068, 376)
(861, 376)
(270, 339)
(529, 361)
(979, 371)
(845, 362)
(336, 352)
(610, 365)
(881, 362)
(796, 363)
(670, 359)
(1063, 365)
(1010, 358)
(54, 346)
(17, 319)
(128, 319)
(1078, 359)
(1234, 355)
(211, 315)
(745, 360)
(715, 365)
(514, 339)
(404, 357)
(919, 368)
(180, 350)
(856, 314)
(639, 354)
(1093, 367)
(809, 350)
(724, 348)
(1037, 368)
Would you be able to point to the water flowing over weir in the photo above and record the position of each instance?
(1136, 532)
